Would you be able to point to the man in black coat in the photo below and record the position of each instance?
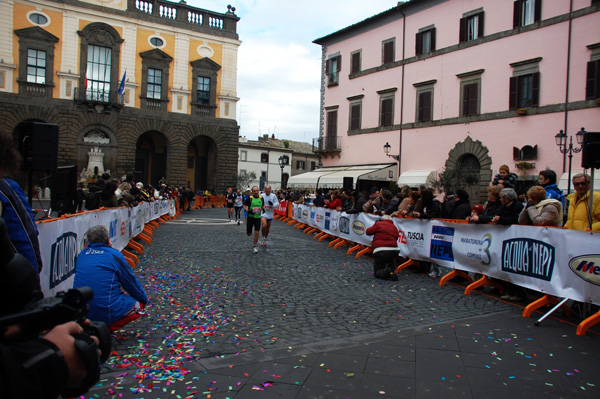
(462, 206)
(510, 210)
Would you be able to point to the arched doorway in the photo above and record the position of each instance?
(472, 155)
(151, 157)
(470, 164)
(201, 164)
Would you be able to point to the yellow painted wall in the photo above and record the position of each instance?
(55, 27)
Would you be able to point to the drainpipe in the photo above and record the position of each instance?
(401, 92)
(567, 82)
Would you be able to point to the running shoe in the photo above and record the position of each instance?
(254, 250)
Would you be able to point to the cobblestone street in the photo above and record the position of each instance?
(213, 303)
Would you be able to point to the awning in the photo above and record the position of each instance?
(333, 177)
(414, 178)
(564, 182)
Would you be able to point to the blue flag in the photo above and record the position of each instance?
(122, 85)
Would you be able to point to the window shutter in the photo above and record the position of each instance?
(470, 99)
(388, 52)
(355, 63)
(516, 154)
(537, 13)
(480, 27)
(513, 93)
(425, 106)
(419, 43)
(534, 152)
(517, 13)
(592, 78)
(327, 66)
(535, 89)
(432, 39)
(462, 30)
(339, 63)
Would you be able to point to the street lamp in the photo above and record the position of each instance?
(561, 142)
(283, 160)
(386, 148)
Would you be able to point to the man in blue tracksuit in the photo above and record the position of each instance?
(105, 271)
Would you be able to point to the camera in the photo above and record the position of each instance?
(22, 304)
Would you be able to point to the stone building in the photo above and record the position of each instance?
(143, 86)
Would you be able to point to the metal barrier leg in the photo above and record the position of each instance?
(587, 323)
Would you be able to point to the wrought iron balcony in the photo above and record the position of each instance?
(327, 145)
(99, 100)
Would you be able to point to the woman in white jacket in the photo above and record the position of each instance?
(541, 211)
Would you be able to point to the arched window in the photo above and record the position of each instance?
(99, 63)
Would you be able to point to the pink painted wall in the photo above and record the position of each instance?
(428, 147)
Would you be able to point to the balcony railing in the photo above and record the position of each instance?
(101, 100)
(35, 89)
(207, 111)
(181, 12)
(154, 104)
(327, 144)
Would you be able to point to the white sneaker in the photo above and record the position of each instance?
(254, 250)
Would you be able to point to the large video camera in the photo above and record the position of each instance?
(22, 305)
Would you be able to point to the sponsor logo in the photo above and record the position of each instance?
(112, 229)
(528, 257)
(156, 207)
(312, 214)
(63, 255)
(401, 237)
(327, 220)
(587, 267)
(123, 228)
(441, 243)
(413, 238)
(344, 225)
(318, 218)
(358, 227)
(482, 253)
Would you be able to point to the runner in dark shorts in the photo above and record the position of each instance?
(230, 201)
(254, 204)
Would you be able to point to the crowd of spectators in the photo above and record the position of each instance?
(542, 205)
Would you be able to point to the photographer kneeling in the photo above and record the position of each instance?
(385, 248)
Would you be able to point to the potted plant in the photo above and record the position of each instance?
(524, 165)
(522, 111)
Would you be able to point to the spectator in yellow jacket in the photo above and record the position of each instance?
(577, 218)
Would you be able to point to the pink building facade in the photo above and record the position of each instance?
(471, 83)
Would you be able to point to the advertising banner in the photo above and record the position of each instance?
(61, 240)
(560, 262)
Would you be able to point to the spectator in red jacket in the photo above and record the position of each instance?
(335, 202)
(385, 248)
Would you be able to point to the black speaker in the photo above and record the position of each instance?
(63, 189)
(348, 183)
(39, 146)
(590, 154)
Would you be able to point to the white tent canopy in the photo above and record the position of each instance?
(333, 177)
(414, 178)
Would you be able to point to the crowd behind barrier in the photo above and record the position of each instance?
(62, 239)
(539, 258)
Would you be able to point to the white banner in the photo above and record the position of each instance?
(61, 240)
(560, 262)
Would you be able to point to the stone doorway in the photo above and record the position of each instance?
(151, 152)
(201, 164)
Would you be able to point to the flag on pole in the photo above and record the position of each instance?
(122, 85)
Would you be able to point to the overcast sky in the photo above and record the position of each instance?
(278, 63)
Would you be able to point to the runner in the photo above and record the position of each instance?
(254, 205)
(239, 202)
(245, 198)
(270, 202)
(230, 197)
